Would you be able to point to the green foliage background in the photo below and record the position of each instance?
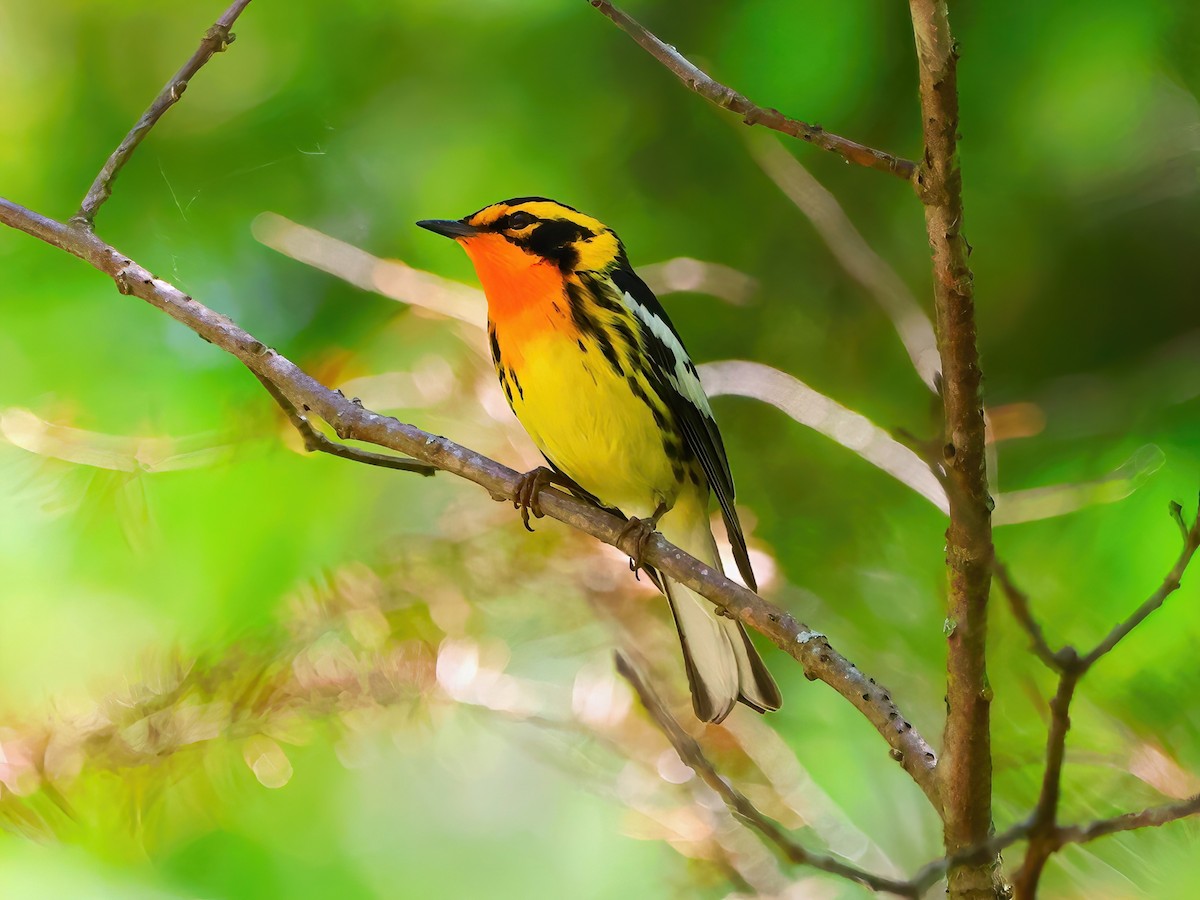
(1081, 136)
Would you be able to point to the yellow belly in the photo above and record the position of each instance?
(585, 418)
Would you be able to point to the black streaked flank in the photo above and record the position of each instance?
(622, 328)
(602, 295)
(614, 360)
(588, 326)
(660, 418)
(495, 344)
(636, 387)
(672, 448)
(697, 425)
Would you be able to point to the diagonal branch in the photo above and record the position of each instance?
(314, 441)
(352, 422)
(692, 754)
(215, 40)
(725, 97)
(1018, 602)
(1191, 542)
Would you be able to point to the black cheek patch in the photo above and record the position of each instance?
(553, 239)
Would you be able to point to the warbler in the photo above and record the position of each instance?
(599, 378)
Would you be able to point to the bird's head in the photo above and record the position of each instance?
(529, 231)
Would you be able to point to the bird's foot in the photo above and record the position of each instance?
(526, 497)
(640, 530)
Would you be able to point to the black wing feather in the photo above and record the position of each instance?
(699, 429)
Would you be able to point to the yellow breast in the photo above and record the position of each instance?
(588, 420)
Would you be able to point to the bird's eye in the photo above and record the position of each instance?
(520, 219)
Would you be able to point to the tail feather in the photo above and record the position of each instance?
(722, 665)
(708, 655)
(757, 689)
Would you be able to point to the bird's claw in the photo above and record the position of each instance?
(641, 530)
(526, 497)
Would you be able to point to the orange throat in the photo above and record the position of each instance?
(525, 294)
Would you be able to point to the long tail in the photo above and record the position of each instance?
(722, 665)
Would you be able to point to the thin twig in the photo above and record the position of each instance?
(352, 422)
(966, 775)
(692, 754)
(316, 442)
(1067, 658)
(215, 40)
(725, 97)
(1153, 817)
(1177, 516)
(1045, 837)
(1191, 542)
(1018, 601)
(1043, 846)
(1147, 818)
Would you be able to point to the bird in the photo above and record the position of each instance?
(599, 378)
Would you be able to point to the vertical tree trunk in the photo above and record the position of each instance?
(966, 764)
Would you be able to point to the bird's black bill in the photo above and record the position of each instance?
(451, 228)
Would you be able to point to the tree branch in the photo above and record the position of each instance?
(692, 754)
(929, 874)
(1152, 817)
(1191, 542)
(967, 769)
(215, 40)
(1147, 818)
(1018, 601)
(1043, 828)
(314, 441)
(725, 97)
(1045, 836)
(352, 422)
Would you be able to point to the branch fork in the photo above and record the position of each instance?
(1046, 836)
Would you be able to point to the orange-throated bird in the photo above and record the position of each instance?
(597, 374)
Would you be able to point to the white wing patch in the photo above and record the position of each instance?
(684, 379)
